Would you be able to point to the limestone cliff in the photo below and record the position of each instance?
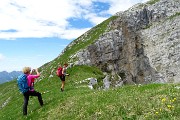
(141, 45)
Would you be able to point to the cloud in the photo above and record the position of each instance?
(120, 5)
(94, 18)
(35, 18)
(73, 33)
(144, 1)
(49, 18)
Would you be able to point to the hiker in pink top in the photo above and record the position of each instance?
(31, 79)
(31, 91)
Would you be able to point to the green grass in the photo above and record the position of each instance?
(173, 16)
(131, 102)
(148, 26)
(151, 2)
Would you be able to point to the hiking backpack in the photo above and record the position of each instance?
(22, 83)
(59, 71)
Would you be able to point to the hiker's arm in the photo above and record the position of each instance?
(67, 74)
(37, 72)
(63, 71)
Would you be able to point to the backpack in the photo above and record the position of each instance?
(22, 83)
(59, 71)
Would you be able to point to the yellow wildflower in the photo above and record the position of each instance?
(169, 106)
(163, 100)
(157, 112)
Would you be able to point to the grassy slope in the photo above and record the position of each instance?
(154, 101)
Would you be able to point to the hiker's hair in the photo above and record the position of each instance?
(26, 70)
(65, 64)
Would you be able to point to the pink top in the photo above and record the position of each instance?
(31, 81)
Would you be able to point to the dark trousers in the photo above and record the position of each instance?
(62, 77)
(26, 99)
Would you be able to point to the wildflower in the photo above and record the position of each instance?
(160, 109)
(163, 100)
(174, 99)
(169, 106)
(157, 112)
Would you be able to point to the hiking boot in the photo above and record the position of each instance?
(62, 90)
(25, 114)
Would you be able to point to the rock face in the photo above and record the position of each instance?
(142, 46)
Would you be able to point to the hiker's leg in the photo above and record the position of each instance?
(35, 93)
(63, 82)
(40, 99)
(26, 99)
(62, 86)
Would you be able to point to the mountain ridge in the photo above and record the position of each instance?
(8, 76)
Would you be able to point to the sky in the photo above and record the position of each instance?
(34, 32)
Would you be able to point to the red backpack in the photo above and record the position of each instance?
(59, 71)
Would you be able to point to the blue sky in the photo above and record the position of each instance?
(35, 32)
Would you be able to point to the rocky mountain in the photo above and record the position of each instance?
(8, 76)
(140, 45)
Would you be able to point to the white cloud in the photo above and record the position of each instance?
(73, 33)
(35, 18)
(120, 5)
(144, 1)
(49, 18)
